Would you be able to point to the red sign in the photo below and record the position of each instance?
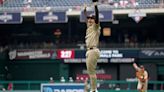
(99, 76)
(65, 54)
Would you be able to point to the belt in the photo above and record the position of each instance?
(91, 48)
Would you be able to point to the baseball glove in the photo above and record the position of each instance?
(94, 0)
(142, 79)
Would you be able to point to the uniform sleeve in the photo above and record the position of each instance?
(85, 14)
(97, 27)
(145, 75)
(136, 67)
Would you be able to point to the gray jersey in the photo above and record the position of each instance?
(92, 36)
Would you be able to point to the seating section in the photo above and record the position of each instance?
(68, 3)
(41, 3)
(53, 3)
(147, 1)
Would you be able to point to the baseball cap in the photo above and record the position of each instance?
(141, 66)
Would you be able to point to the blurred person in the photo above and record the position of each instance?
(142, 76)
(70, 79)
(147, 42)
(104, 1)
(161, 3)
(126, 40)
(82, 79)
(77, 79)
(110, 1)
(62, 79)
(3, 90)
(8, 74)
(123, 3)
(133, 3)
(51, 80)
(1, 1)
(10, 86)
(132, 41)
(117, 88)
(92, 41)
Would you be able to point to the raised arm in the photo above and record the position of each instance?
(85, 11)
(135, 66)
(96, 13)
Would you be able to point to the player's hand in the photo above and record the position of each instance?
(85, 6)
(85, 9)
(142, 79)
(94, 3)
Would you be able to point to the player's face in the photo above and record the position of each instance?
(90, 21)
(142, 68)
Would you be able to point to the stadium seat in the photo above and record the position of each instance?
(69, 3)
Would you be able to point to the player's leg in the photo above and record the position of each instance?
(139, 86)
(142, 88)
(86, 89)
(145, 85)
(91, 64)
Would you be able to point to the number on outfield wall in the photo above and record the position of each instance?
(66, 54)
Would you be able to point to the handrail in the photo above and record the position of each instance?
(106, 81)
(76, 45)
(35, 85)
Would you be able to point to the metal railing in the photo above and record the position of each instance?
(82, 46)
(110, 85)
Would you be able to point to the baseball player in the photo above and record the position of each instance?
(142, 76)
(92, 41)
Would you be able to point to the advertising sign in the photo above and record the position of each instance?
(78, 56)
(31, 54)
(51, 17)
(75, 56)
(104, 16)
(151, 53)
(83, 60)
(137, 15)
(63, 54)
(114, 53)
(62, 87)
(110, 54)
(122, 60)
(10, 18)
